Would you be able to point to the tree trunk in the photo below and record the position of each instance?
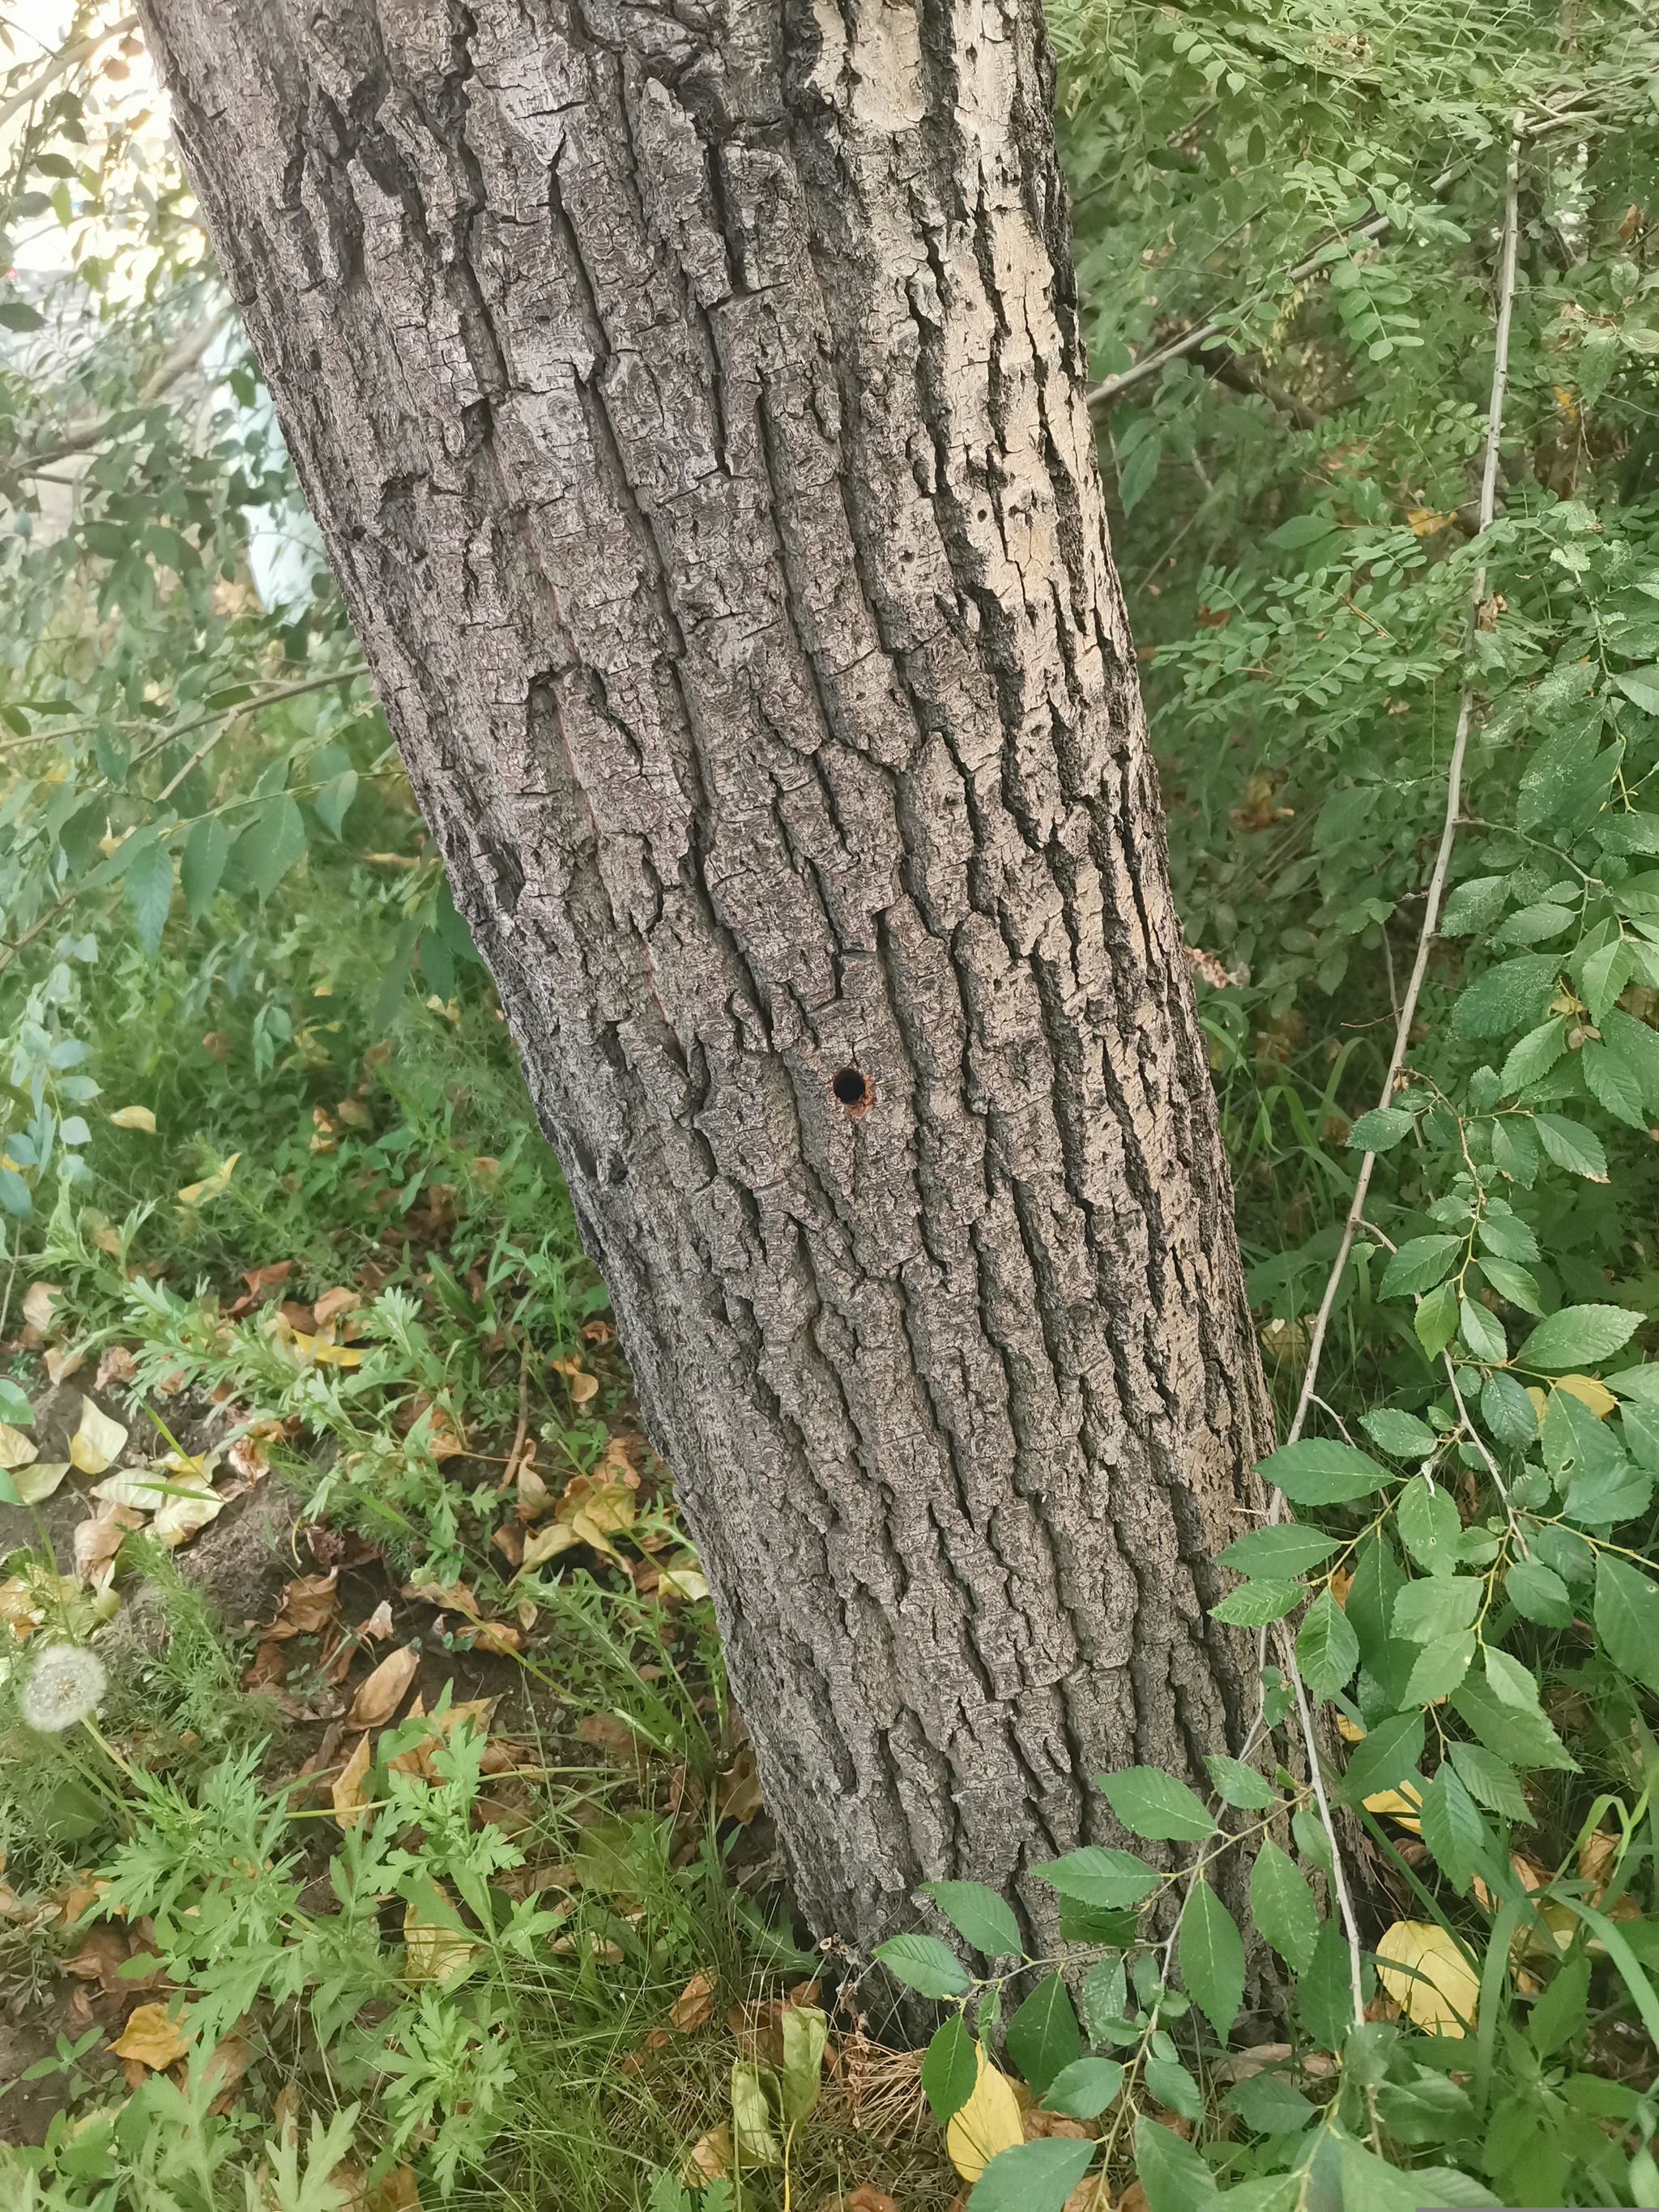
(692, 399)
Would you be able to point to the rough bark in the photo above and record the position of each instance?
(692, 399)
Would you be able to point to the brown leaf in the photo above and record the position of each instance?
(270, 1665)
(227, 2064)
(708, 2159)
(508, 1541)
(380, 1696)
(339, 1300)
(99, 1538)
(379, 1624)
(396, 2192)
(693, 2005)
(38, 1302)
(98, 1958)
(1595, 1855)
(737, 1792)
(347, 1793)
(247, 1457)
(60, 1365)
(150, 2038)
(613, 1737)
(260, 1280)
(309, 1603)
(116, 1365)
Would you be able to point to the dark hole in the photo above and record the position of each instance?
(851, 1087)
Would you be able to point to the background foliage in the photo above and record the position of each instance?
(219, 908)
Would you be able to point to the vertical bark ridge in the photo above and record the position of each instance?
(692, 404)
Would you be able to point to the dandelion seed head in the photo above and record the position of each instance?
(65, 1685)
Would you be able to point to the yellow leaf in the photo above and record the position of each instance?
(433, 1951)
(1401, 1806)
(16, 1448)
(349, 1801)
(197, 1194)
(1439, 1989)
(97, 1442)
(988, 2122)
(134, 1117)
(1540, 1404)
(1589, 1392)
(38, 1302)
(325, 1355)
(546, 1544)
(380, 1694)
(40, 1482)
(151, 2036)
(1347, 1730)
(1425, 522)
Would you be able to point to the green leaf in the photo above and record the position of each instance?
(1441, 1666)
(1380, 1130)
(1490, 1780)
(1033, 2177)
(15, 1407)
(979, 1914)
(1151, 1803)
(149, 887)
(1282, 1906)
(1418, 1266)
(1559, 2014)
(1173, 2177)
(1084, 2088)
(1604, 976)
(1438, 1604)
(949, 2069)
(1098, 1876)
(1236, 1784)
(1628, 1619)
(1514, 1149)
(1171, 2084)
(1269, 2107)
(1312, 1839)
(1576, 1335)
(1532, 1055)
(1524, 1739)
(923, 1963)
(1452, 1827)
(207, 849)
(1508, 1411)
(333, 801)
(1537, 1593)
(1254, 1604)
(1516, 1283)
(1212, 1953)
(1386, 1757)
(1514, 992)
(1104, 1996)
(1043, 2037)
(1515, 1684)
(1304, 529)
(1482, 1332)
(270, 845)
(1571, 1146)
(18, 315)
(1318, 1472)
(1474, 905)
(1435, 1322)
(1614, 1084)
(1641, 688)
(1403, 1436)
(1284, 1549)
(1324, 1994)
(1327, 1649)
(1431, 1531)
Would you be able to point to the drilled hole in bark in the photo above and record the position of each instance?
(854, 1090)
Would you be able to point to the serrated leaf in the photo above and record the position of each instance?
(1171, 2084)
(207, 849)
(1482, 1332)
(1441, 1666)
(1043, 2037)
(1319, 1472)
(1431, 1530)
(1438, 1604)
(1327, 1649)
(1268, 2106)
(1084, 2088)
(1097, 1875)
(1613, 1083)
(1254, 1604)
(924, 1964)
(1522, 1739)
(333, 801)
(148, 885)
(979, 1915)
(1033, 2177)
(1380, 1130)
(1577, 1336)
(1386, 1757)
(1418, 1264)
(1435, 1322)
(1155, 1805)
(1403, 1436)
(1507, 1411)
(1515, 1684)
(1537, 1593)
(1628, 1619)
(1559, 2014)
(1239, 1786)
(1282, 1906)
(1450, 1825)
(1173, 2177)
(1514, 1283)
(1571, 1146)
(1514, 992)
(1211, 1954)
(270, 845)
(1285, 1549)
(1532, 1056)
(950, 2068)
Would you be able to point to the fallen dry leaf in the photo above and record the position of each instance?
(248, 1459)
(98, 1442)
(613, 1737)
(433, 1951)
(16, 1448)
(709, 2159)
(693, 2005)
(60, 1365)
(339, 1300)
(97, 1541)
(116, 1365)
(381, 1694)
(379, 1624)
(228, 2062)
(99, 1958)
(737, 1791)
(150, 2038)
(34, 1484)
(197, 1193)
(325, 1354)
(1401, 1807)
(1439, 1993)
(347, 1790)
(134, 1117)
(1595, 1855)
(38, 1302)
(309, 1603)
(260, 1279)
